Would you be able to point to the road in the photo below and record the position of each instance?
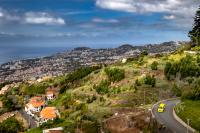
(167, 118)
(31, 121)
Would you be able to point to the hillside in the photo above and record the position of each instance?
(100, 96)
(94, 98)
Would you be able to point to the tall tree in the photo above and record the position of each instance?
(194, 34)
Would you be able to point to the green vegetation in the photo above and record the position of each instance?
(176, 90)
(8, 105)
(186, 67)
(114, 74)
(11, 125)
(154, 65)
(194, 92)
(189, 110)
(194, 34)
(144, 53)
(103, 87)
(33, 89)
(150, 80)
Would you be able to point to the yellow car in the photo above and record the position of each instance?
(161, 107)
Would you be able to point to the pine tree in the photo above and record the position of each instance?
(194, 34)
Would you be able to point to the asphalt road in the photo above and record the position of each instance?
(31, 121)
(167, 119)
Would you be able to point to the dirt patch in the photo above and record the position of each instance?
(128, 121)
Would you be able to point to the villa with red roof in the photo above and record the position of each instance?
(35, 105)
(48, 113)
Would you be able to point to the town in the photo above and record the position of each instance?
(61, 63)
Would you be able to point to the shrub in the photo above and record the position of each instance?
(176, 90)
(150, 80)
(91, 99)
(154, 65)
(103, 87)
(80, 73)
(34, 89)
(186, 67)
(115, 74)
(144, 53)
(137, 82)
(11, 125)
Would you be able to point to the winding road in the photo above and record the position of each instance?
(166, 118)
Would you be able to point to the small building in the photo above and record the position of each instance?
(50, 95)
(54, 130)
(124, 60)
(36, 104)
(48, 113)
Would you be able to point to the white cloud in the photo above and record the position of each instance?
(100, 20)
(169, 17)
(186, 7)
(1, 14)
(42, 18)
(181, 11)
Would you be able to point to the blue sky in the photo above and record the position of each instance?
(94, 23)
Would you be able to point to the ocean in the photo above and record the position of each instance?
(17, 53)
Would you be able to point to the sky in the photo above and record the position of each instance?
(94, 23)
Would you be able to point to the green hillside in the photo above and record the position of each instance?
(89, 96)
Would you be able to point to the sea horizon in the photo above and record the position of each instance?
(9, 54)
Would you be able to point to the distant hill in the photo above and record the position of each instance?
(81, 48)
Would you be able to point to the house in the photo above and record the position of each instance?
(50, 95)
(48, 113)
(35, 105)
(54, 130)
(124, 60)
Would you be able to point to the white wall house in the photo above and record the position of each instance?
(36, 104)
(50, 95)
(48, 113)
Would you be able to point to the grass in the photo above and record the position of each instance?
(35, 130)
(189, 110)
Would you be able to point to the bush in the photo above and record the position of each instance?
(52, 123)
(80, 73)
(137, 82)
(186, 67)
(8, 104)
(91, 99)
(11, 125)
(150, 80)
(144, 53)
(176, 90)
(115, 74)
(154, 65)
(103, 87)
(34, 89)
(194, 93)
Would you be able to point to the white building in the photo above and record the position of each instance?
(35, 105)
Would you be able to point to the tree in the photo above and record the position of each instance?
(150, 80)
(167, 69)
(176, 90)
(154, 65)
(194, 34)
(115, 74)
(103, 87)
(144, 53)
(11, 125)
